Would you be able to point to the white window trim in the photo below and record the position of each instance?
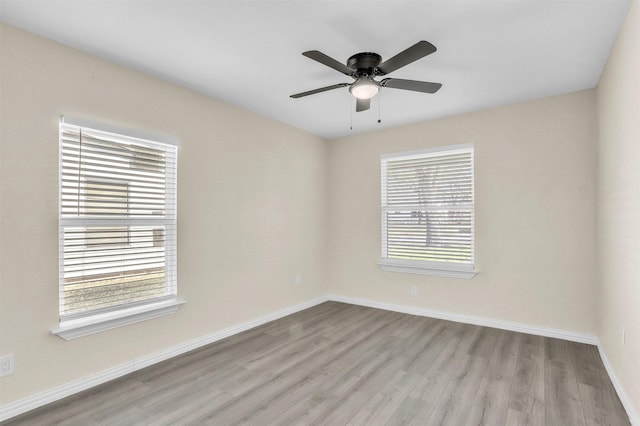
(72, 329)
(69, 329)
(131, 133)
(441, 269)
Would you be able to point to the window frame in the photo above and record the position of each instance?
(75, 325)
(452, 269)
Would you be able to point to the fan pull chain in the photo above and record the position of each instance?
(351, 106)
(379, 106)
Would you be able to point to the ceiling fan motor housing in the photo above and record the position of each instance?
(364, 63)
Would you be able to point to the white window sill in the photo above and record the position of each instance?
(72, 329)
(425, 268)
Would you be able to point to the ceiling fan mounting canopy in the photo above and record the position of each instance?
(364, 66)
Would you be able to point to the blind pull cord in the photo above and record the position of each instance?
(79, 171)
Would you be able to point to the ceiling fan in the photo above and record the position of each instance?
(363, 67)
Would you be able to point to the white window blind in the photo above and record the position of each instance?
(427, 209)
(117, 221)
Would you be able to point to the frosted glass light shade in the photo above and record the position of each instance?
(364, 89)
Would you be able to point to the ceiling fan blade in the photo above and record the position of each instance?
(320, 90)
(328, 61)
(416, 86)
(415, 52)
(362, 104)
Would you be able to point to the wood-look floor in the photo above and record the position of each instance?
(338, 364)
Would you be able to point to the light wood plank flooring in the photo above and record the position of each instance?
(338, 364)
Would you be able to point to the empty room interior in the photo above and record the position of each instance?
(319, 212)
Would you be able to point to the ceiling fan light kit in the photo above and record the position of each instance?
(364, 88)
(363, 67)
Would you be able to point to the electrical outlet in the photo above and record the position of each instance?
(298, 279)
(7, 364)
(413, 290)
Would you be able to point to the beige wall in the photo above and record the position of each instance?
(251, 209)
(535, 218)
(619, 207)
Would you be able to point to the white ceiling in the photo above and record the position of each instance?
(248, 53)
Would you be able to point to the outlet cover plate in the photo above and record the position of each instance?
(7, 364)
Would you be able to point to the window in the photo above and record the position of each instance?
(427, 212)
(117, 229)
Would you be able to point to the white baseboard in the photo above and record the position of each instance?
(54, 394)
(467, 319)
(626, 402)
